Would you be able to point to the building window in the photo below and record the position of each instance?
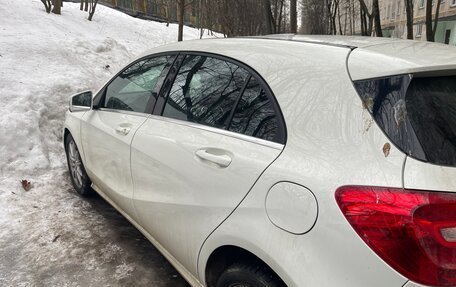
(419, 30)
(399, 7)
(453, 2)
(421, 4)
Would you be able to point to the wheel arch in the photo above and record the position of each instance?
(66, 132)
(224, 256)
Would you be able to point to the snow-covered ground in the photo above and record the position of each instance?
(49, 236)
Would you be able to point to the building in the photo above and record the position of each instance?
(393, 18)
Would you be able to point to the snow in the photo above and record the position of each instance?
(49, 235)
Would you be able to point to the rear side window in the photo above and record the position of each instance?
(205, 91)
(417, 113)
(220, 93)
(254, 114)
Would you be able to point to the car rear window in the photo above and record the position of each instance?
(418, 114)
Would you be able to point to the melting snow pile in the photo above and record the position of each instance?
(44, 58)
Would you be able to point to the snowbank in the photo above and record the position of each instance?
(44, 58)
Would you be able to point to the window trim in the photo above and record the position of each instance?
(281, 136)
(101, 95)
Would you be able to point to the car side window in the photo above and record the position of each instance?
(255, 115)
(134, 87)
(205, 91)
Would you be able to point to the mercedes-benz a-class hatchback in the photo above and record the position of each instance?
(282, 160)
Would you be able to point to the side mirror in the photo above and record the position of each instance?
(81, 102)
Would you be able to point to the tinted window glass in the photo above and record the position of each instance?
(418, 115)
(431, 108)
(134, 88)
(205, 91)
(254, 115)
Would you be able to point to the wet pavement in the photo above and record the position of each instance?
(56, 238)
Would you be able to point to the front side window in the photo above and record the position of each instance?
(205, 91)
(135, 87)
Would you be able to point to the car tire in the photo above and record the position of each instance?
(79, 178)
(253, 275)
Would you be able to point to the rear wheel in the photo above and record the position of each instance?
(242, 275)
(78, 175)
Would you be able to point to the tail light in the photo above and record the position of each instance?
(413, 231)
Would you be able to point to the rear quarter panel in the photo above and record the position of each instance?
(332, 141)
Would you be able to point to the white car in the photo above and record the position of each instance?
(282, 160)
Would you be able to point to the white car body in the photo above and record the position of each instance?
(273, 200)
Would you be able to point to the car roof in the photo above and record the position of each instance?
(352, 42)
(368, 57)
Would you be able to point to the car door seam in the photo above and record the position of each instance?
(234, 209)
(131, 169)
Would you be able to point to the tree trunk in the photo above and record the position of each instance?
(279, 21)
(429, 34)
(57, 8)
(409, 12)
(436, 18)
(268, 15)
(47, 5)
(82, 5)
(168, 15)
(86, 5)
(340, 23)
(181, 10)
(376, 15)
(293, 16)
(93, 6)
(366, 28)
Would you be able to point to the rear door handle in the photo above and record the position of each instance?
(216, 156)
(123, 130)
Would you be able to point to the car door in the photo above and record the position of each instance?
(107, 130)
(194, 164)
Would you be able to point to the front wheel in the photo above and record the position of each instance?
(242, 275)
(78, 175)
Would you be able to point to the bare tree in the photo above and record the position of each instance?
(57, 8)
(315, 17)
(366, 19)
(430, 30)
(409, 12)
(93, 6)
(47, 5)
(377, 21)
(436, 18)
(293, 16)
(181, 11)
(332, 7)
(268, 15)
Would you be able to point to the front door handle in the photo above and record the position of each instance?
(215, 156)
(122, 130)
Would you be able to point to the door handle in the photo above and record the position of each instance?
(122, 130)
(215, 156)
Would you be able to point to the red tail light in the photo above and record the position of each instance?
(413, 231)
